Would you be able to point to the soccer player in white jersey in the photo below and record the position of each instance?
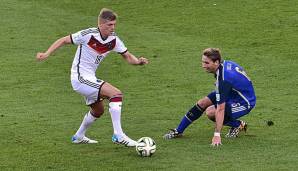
(94, 44)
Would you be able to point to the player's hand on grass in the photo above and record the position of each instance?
(143, 61)
(41, 56)
(216, 141)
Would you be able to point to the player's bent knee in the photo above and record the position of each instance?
(97, 113)
(109, 91)
(204, 103)
(210, 116)
(97, 109)
(210, 112)
(116, 97)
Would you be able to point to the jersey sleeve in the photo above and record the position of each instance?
(79, 37)
(223, 90)
(119, 47)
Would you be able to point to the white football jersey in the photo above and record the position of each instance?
(91, 51)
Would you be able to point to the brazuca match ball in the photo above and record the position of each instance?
(146, 147)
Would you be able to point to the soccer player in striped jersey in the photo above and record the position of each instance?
(233, 98)
(94, 44)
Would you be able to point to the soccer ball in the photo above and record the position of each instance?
(146, 146)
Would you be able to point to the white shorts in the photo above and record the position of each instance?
(89, 87)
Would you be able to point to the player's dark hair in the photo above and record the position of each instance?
(107, 14)
(213, 54)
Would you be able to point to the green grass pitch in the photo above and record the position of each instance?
(40, 111)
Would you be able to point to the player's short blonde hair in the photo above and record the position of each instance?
(107, 15)
(213, 54)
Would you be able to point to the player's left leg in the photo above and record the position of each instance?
(236, 126)
(115, 105)
(114, 96)
(233, 112)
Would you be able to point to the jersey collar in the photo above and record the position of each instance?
(219, 69)
(101, 35)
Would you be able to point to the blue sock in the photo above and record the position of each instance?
(193, 114)
(233, 123)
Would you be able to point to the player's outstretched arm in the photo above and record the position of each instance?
(40, 56)
(131, 59)
(219, 117)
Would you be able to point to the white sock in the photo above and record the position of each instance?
(87, 121)
(115, 110)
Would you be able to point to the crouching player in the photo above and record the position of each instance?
(233, 98)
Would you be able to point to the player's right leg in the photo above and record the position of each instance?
(89, 88)
(96, 110)
(193, 114)
(115, 106)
